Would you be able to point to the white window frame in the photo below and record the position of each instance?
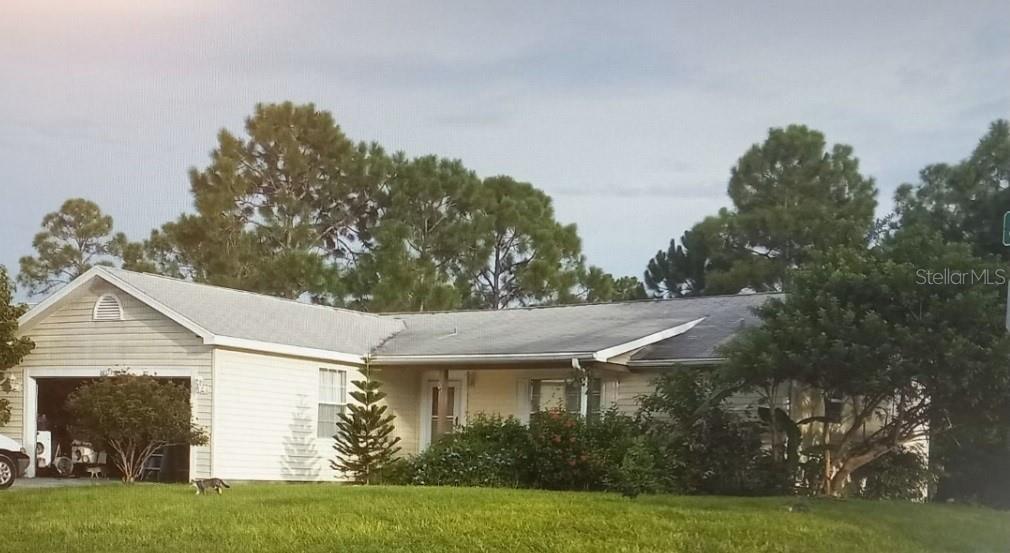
(339, 399)
(553, 380)
(583, 394)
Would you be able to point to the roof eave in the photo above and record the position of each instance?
(283, 349)
(480, 358)
(665, 363)
(609, 353)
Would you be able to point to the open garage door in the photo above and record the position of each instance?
(60, 454)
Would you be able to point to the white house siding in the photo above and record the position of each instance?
(630, 387)
(403, 399)
(265, 418)
(492, 392)
(68, 339)
(636, 384)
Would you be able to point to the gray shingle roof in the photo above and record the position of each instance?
(574, 329)
(237, 314)
(539, 330)
(725, 316)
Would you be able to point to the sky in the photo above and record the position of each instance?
(630, 115)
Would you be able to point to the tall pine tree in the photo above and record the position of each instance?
(364, 440)
(73, 240)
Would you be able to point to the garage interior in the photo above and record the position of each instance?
(60, 455)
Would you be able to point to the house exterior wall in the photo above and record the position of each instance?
(68, 341)
(266, 417)
(506, 392)
(630, 387)
(494, 393)
(403, 389)
(634, 385)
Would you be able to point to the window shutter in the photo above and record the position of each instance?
(523, 399)
(594, 398)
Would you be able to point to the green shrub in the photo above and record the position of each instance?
(638, 472)
(610, 436)
(489, 451)
(704, 448)
(557, 451)
(133, 417)
(563, 458)
(398, 472)
(902, 474)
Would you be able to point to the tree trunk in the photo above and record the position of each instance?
(773, 425)
(839, 479)
(825, 438)
(130, 461)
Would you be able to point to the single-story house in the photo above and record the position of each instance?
(268, 376)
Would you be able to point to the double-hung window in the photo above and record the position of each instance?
(566, 395)
(332, 400)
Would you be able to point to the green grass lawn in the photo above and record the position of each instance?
(280, 518)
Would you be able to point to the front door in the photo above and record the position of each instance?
(429, 430)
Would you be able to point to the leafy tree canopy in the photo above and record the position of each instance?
(881, 328)
(682, 270)
(965, 202)
(134, 416)
(791, 196)
(298, 210)
(423, 242)
(525, 256)
(597, 285)
(73, 239)
(13, 348)
(278, 212)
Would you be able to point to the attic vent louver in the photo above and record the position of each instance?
(108, 308)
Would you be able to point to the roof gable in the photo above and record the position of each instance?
(243, 320)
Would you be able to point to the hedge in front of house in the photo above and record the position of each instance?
(490, 451)
(556, 451)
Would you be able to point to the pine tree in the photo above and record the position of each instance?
(364, 441)
(73, 240)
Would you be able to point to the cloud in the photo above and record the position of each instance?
(706, 191)
(630, 113)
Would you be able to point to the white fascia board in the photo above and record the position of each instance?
(55, 297)
(100, 272)
(165, 310)
(614, 351)
(97, 372)
(666, 363)
(478, 358)
(282, 349)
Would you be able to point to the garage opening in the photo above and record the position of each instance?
(60, 454)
